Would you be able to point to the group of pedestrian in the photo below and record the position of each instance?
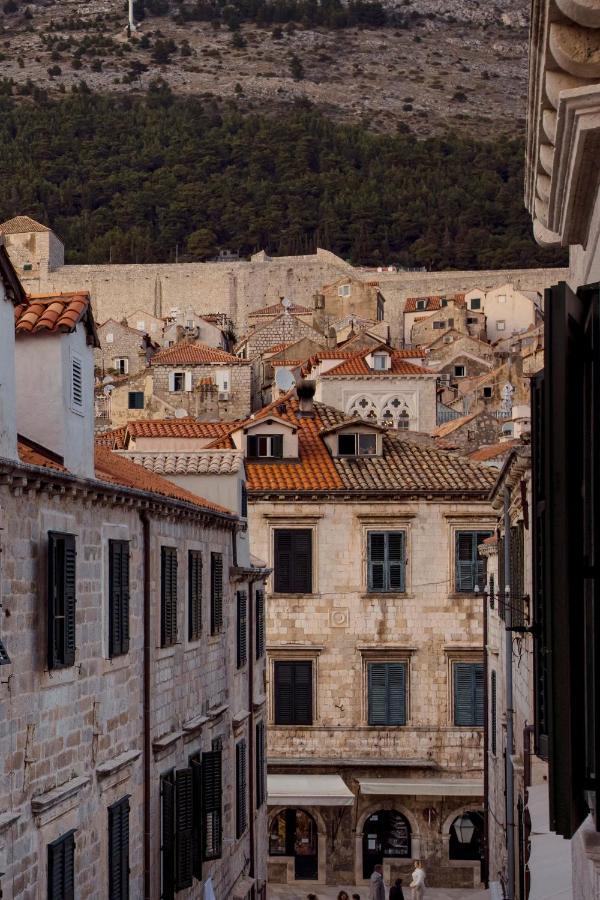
(377, 888)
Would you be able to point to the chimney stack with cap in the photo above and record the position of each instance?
(305, 391)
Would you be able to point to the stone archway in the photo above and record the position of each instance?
(299, 863)
(372, 807)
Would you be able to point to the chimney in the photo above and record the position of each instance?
(305, 391)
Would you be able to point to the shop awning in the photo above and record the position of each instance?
(308, 790)
(420, 787)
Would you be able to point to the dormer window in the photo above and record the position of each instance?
(421, 304)
(381, 361)
(264, 446)
(444, 301)
(475, 303)
(357, 445)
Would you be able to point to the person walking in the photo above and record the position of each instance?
(377, 891)
(417, 884)
(396, 892)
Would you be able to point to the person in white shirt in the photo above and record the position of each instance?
(418, 882)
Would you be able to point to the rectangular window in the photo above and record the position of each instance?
(260, 623)
(357, 444)
(487, 391)
(77, 385)
(470, 568)
(265, 445)
(261, 764)
(345, 290)
(386, 561)
(118, 598)
(380, 361)
(109, 338)
(135, 400)
(450, 323)
(61, 600)
(444, 302)
(472, 320)
(241, 788)
(501, 325)
(387, 693)
(468, 694)
(61, 868)
(121, 364)
(242, 629)
(293, 561)
(475, 303)
(177, 817)
(502, 298)
(168, 596)
(216, 593)
(421, 304)
(459, 371)
(178, 381)
(493, 714)
(293, 693)
(438, 325)
(194, 595)
(118, 850)
(212, 798)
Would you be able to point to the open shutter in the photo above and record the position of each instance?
(396, 555)
(212, 800)
(252, 446)
(260, 623)
(70, 599)
(277, 446)
(396, 693)
(194, 595)
(216, 583)
(260, 764)
(493, 714)
(501, 580)
(242, 628)
(55, 647)
(378, 707)
(376, 561)
(167, 786)
(188, 381)
(466, 561)
(241, 788)
(184, 819)
(478, 696)
(171, 381)
(196, 767)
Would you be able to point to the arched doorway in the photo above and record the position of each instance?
(466, 836)
(386, 833)
(293, 832)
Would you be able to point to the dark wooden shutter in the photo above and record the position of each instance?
(541, 641)
(501, 580)
(387, 693)
(196, 767)
(167, 791)
(216, 592)
(118, 597)
(517, 574)
(168, 597)
(277, 446)
(260, 623)
(194, 595)
(212, 809)
(118, 850)
(386, 560)
(184, 820)
(493, 714)
(4, 657)
(261, 769)
(61, 868)
(470, 567)
(244, 501)
(61, 600)
(376, 561)
(468, 694)
(242, 628)
(396, 554)
(241, 788)
(293, 561)
(252, 446)
(293, 693)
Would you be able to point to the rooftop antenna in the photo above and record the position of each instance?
(287, 305)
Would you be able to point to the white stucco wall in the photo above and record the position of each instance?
(8, 416)
(516, 311)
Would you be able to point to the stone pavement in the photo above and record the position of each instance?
(293, 892)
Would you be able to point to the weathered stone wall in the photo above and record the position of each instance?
(238, 405)
(424, 332)
(126, 344)
(284, 328)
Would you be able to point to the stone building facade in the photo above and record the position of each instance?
(348, 297)
(358, 774)
(455, 317)
(124, 651)
(123, 350)
(282, 328)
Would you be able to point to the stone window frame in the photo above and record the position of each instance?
(391, 522)
(285, 653)
(308, 522)
(465, 522)
(470, 654)
(200, 546)
(384, 655)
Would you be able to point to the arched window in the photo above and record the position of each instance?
(363, 407)
(386, 833)
(293, 832)
(466, 836)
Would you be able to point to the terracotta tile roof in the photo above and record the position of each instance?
(35, 455)
(115, 438)
(113, 468)
(201, 462)
(195, 355)
(277, 308)
(278, 348)
(178, 428)
(287, 362)
(21, 225)
(493, 451)
(433, 302)
(451, 426)
(357, 365)
(405, 466)
(55, 313)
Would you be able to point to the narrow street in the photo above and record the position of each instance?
(330, 892)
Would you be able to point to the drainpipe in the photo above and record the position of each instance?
(486, 743)
(510, 800)
(145, 518)
(251, 730)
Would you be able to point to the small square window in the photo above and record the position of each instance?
(121, 364)
(345, 290)
(110, 338)
(438, 324)
(501, 325)
(380, 361)
(475, 303)
(357, 444)
(471, 320)
(136, 400)
(421, 304)
(487, 392)
(27, 267)
(502, 298)
(141, 325)
(459, 371)
(444, 302)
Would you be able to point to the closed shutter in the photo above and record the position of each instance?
(376, 561)
(261, 770)
(61, 600)
(211, 801)
(216, 592)
(293, 561)
(541, 642)
(293, 693)
(168, 599)
(517, 574)
(493, 714)
(242, 628)
(395, 541)
(252, 446)
(387, 693)
(241, 788)
(260, 623)
(501, 580)
(118, 597)
(194, 595)
(277, 446)
(196, 767)
(167, 844)
(468, 694)
(184, 819)
(386, 561)
(61, 868)
(118, 850)
(470, 567)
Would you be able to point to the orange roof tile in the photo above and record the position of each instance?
(433, 303)
(22, 225)
(177, 428)
(452, 425)
(55, 313)
(492, 451)
(357, 365)
(277, 308)
(35, 455)
(115, 438)
(195, 355)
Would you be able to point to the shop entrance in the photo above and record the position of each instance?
(385, 834)
(293, 832)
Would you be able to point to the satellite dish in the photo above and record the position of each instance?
(284, 379)
(286, 303)
(108, 379)
(181, 413)
(107, 390)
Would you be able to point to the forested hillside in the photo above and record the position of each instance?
(133, 178)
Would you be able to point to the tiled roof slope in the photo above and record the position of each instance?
(195, 355)
(210, 462)
(54, 313)
(21, 225)
(34, 455)
(452, 425)
(433, 303)
(179, 428)
(357, 365)
(114, 439)
(493, 451)
(404, 467)
(277, 308)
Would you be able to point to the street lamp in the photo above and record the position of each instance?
(464, 829)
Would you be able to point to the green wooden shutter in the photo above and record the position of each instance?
(61, 868)
(396, 693)
(377, 696)
(277, 446)
(216, 592)
(184, 820)
(196, 767)
(377, 578)
(395, 560)
(387, 693)
(468, 694)
(118, 850)
(242, 628)
(241, 788)
(466, 561)
(212, 805)
(167, 791)
(194, 595)
(260, 623)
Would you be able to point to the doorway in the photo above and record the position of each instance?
(294, 833)
(386, 833)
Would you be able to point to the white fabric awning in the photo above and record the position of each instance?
(421, 787)
(308, 790)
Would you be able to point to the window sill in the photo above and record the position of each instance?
(391, 595)
(165, 652)
(289, 596)
(464, 595)
(193, 645)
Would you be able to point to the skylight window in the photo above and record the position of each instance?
(357, 444)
